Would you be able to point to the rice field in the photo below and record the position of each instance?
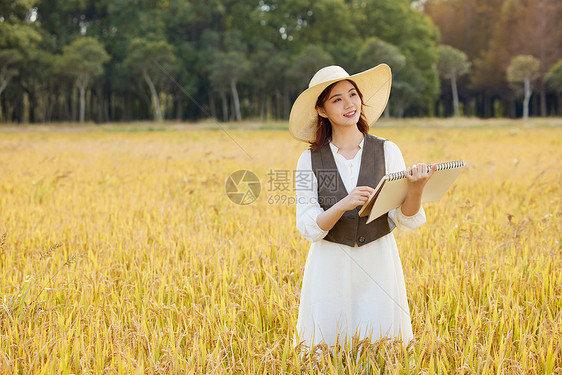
(120, 252)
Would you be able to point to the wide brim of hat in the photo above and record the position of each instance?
(374, 84)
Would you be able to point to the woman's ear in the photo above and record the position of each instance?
(321, 112)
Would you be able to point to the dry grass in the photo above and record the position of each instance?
(120, 253)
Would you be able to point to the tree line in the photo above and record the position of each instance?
(127, 60)
(515, 49)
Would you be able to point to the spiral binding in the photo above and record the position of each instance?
(450, 165)
(440, 167)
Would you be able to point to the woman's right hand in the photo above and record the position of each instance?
(358, 196)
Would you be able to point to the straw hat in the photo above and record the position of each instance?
(374, 84)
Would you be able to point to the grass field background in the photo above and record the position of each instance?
(121, 253)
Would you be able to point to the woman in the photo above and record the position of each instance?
(353, 283)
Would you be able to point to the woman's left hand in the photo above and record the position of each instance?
(418, 175)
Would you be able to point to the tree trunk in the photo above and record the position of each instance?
(455, 95)
(212, 104)
(4, 79)
(224, 106)
(486, 105)
(154, 95)
(286, 102)
(3, 84)
(107, 108)
(542, 92)
(25, 107)
(82, 90)
(10, 112)
(235, 100)
(179, 107)
(70, 114)
(511, 107)
(527, 98)
(263, 108)
(48, 110)
(128, 110)
(2, 87)
(32, 106)
(399, 110)
(278, 105)
(101, 103)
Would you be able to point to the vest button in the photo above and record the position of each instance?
(361, 239)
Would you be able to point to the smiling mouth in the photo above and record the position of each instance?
(350, 114)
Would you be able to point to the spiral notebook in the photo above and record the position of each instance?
(393, 188)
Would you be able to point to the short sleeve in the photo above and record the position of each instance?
(395, 163)
(308, 208)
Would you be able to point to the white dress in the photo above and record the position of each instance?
(349, 291)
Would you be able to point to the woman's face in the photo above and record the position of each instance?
(343, 106)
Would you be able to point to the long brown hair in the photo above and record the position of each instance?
(324, 127)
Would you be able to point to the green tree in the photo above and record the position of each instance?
(465, 24)
(306, 63)
(451, 65)
(416, 37)
(18, 37)
(179, 20)
(292, 26)
(375, 51)
(524, 69)
(151, 59)
(268, 68)
(116, 23)
(8, 60)
(84, 59)
(270, 81)
(553, 77)
(301, 69)
(522, 28)
(229, 67)
(407, 86)
(300, 23)
(553, 80)
(39, 79)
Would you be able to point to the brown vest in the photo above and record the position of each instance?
(351, 229)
